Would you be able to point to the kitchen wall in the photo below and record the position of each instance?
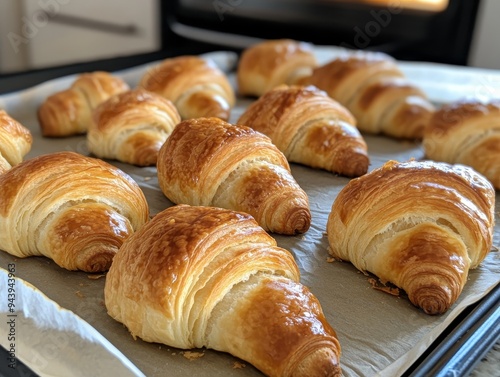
(44, 33)
(10, 26)
(485, 49)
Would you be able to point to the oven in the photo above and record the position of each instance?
(49, 38)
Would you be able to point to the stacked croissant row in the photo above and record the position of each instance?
(394, 221)
(206, 271)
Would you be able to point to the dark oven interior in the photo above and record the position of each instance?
(425, 30)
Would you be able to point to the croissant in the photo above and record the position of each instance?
(310, 128)
(208, 162)
(69, 111)
(15, 141)
(73, 209)
(467, 132)
(131, 127)
(209, 277)
(268, 64)
(196, 86)
(377, 93)
(418, 225)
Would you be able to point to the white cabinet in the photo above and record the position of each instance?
(57, 32)
(485, 45)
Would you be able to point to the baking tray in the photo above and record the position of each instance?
(62, 321)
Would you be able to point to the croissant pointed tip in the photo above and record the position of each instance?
(221, 113)
(323, 362)
(99, 262)
(300, 221)
(356, 164)
(433, 300)
(204, 105)
(296, 219)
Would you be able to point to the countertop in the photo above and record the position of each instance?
(490, 364)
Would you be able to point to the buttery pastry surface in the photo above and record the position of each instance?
(15, 141)
(131, 127)
(73, 209)
(209, 162)
(265, 65)
(375, 90)
(197, 87)
(467, 132)
(209, 277)
(418, 225)
(69, 111)
(310, 128)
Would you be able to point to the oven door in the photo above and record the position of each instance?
(430, 30)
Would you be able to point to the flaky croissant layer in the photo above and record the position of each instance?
(196, 86)
(69, 111)
(310, 128)
(467, 132)
(419, 225)
(15, 141)
(209, 162)
(131, 127)
(211, 277)
(265, 65)
(375, 90)
(73, 209)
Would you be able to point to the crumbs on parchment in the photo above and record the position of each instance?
(384, 288)
(192, 355)
(238, 365)
(95, 276)
(331, 259)
(79, 294)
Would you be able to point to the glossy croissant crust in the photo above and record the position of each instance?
(131, 127)
(73, 209)
(69, 111)
(209, 162)
(418, 225)
(15, 141)
(265, 65)
(310, 128)
(208, 277)
(196, 86)
(375, 90)
(467, 132)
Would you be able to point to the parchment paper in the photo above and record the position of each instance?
(380, 334)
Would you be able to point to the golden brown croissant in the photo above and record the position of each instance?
(209, 162)
(15, 141)
(197, 277)
(131, 127)
(310, 128)
(197, 87)
(268, 64)
(467, 132)
(73, 209)
(418, 225)
(68, 112)
(375, 90)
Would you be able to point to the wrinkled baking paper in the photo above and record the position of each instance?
(63, 327)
